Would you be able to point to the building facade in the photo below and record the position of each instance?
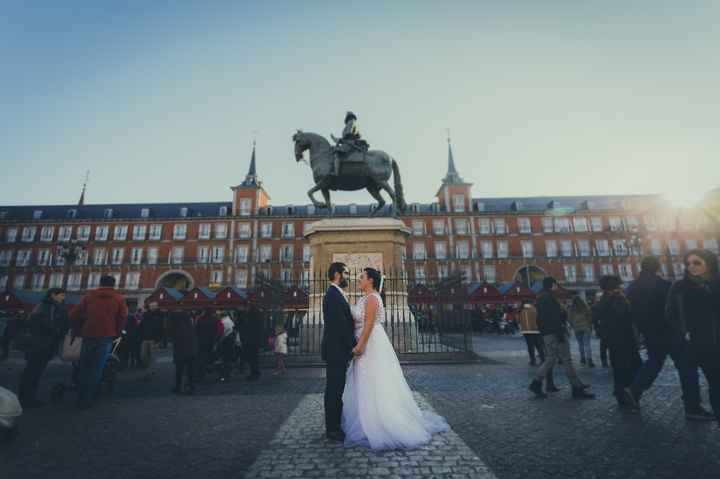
(576, 239)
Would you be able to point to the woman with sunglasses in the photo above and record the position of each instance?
(694, 307)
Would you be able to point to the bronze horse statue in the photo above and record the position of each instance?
(370, 170)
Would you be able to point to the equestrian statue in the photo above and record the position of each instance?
(349, 165)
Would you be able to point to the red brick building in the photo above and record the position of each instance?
(182, 245)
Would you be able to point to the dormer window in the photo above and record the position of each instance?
(223, 211)
(71, 213)
(311, 209)
(289, 210)
(353, 209)
(183, 211)
(37, 214)
(479, 206)
(108, 214)
(3, 215)
(145, 213)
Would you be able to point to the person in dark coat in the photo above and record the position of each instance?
(7, 324)
(647, 297)
(251, 337)
(336, 348)
(614, 320)
(206, 330)
(185, 351)
(693, 308)
(47, 323)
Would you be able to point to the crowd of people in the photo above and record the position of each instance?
(679, 320)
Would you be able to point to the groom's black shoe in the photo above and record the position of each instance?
(338, 436)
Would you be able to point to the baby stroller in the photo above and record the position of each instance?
(10, 411)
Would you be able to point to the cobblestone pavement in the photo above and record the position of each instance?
(143, 431)
(300, 450)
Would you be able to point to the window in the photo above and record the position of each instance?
(462, 250)
(120, 232)
(82, 258)
(547, 224)
(183, 212)
(74, 281)
(47, 233)
(218, 254)
(459, 203)
(307, 253)
(524, 225)
(418, 227)
(286, 276)
(500, 227)
(562, 225)
(180, 231)
(59, 260)
(132, 280)
(245, 207)
(223, 211)
(136, 255)
(650, 223)
(152, 256)
(43, 257)
(626, 272)
(101, 232)
(438, 227)
(99, 256)
(37, 214)
(64, 233)
(615, 223)
(286, 252)
(690, 244)
(353, 209)
(22, 258)
(3, 280)
(177, 255)
(420, 274)
(241, 278)
(71, 214)
(606, 269)
(443, 271)
(596, 223)
(56, 280)
(527, 248)
(502, 249)
(265, 253)
(440, 250)
(19, 282)
(305, 281)
(288, 230)
(93, 280)
(306, 227)
(203, 254)
(220, 230)
(584, 247)
(489, 273)
(566, 248)
(602, 246)
(241, 254)
(5, 257)
(570, 273)
(581, 224)
(486, 248)
(204, 231)
(419, 251)
(632, 222)
(588, 273)
(28, 233)
(551, 250)
(11, 235)
(266, 230)
(155, 232)
(83, 233)
(484, 226)
(38, 281)
(244, 231)
(145, 213)
(674, 247)
(108, 213)
(711, 245)
(117, 255)
(115, 275)
(620, 247)
(139, 232)
(461, 226)
(656, 247)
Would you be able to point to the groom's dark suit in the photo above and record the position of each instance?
(336, 350)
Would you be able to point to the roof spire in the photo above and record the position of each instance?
(251, 177)
(452, 176)
(81, 202)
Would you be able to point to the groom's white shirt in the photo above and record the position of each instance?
(341, 291)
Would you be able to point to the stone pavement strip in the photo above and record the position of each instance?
(299, 449)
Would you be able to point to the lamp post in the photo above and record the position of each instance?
(70, 254)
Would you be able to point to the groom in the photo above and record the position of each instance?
(336, 348)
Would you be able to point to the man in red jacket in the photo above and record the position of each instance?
(99, 318)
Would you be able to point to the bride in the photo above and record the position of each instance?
(379, 410)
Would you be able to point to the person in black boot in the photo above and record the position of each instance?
(552, 319)
(185, 351)
(251, 337)
(613, 317)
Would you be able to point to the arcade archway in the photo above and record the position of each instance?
(529, 275)
(175, 279)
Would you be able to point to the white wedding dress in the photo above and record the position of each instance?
(379, 410)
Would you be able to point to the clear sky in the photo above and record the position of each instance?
(161, 99)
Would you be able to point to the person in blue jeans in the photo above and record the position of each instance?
(99, 318)
(647, 296)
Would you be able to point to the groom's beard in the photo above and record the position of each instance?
(343, 283)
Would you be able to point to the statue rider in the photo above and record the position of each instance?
(351, 140)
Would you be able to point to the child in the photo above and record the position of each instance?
(280, 349)
(185, 350)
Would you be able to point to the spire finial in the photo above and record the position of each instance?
(452, 176)
(81, 202)
(251, 177)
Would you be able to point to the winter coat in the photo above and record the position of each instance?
(101, 313)
(614, 320)
(693, 310)
(528, 320)
(151, 326)
(47, 324)
(551, 316)
(185, 343)
(581, 318)
(647, 296)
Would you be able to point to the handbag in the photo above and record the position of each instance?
(71, 348)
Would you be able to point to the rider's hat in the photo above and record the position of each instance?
(350, 116)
